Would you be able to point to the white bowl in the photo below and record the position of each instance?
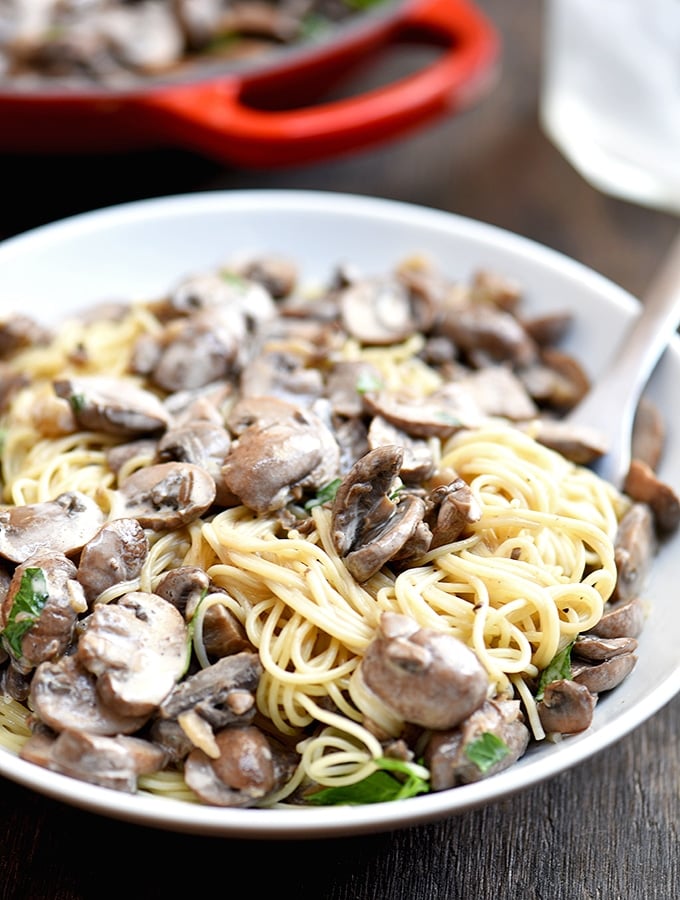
(141, 249)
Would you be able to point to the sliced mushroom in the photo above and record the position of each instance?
(566, 707)
(649, 434)
(449, 509)
(555, 381)
(493, 332)
(579, 444)
(497, 391)
(137, 647)
(167, 495)
(277, 274)
(212, 698)
(223, 694)
(139, 452)
(439, 415)
(63, 525)
(418, 461)
(246, 770)
(549, 328)
(623, 619)
(379, 311)
(64, 696)
(274, 461)
(184, 587)
(18, 331)
(495, 289)
(634, 548)
(208, 403)
(642, 484)
(144, 36)
(225, 294)
(115, 554)
(40, 610)
(113, 405)
(15, 683)
(281, 373)
(449, 754)
(112, 762)
(605, 675)
(368, 528)
(424, 676)
(203, 444)
(594, 648)
(347, 381)
(223, 634)
(193, 352)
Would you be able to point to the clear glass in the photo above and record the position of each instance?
(610, 94)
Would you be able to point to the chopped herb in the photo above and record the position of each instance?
(237, 281)
(368, 382)
(77, 402)
(442, 415)
(379, 787)
(363, 4)
(559, 668)
(396, 490)
(313, 26)
(486, 751)
(28, 603)
(325, 494)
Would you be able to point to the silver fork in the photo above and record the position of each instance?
(611, 403)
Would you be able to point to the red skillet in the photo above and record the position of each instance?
(266, 115)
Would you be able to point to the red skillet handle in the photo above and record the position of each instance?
(213, 118)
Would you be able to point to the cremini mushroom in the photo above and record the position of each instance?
(449, 754)
(166, 495)
(566, 707)
(426, 677)
(137, 646)
(113, 405)
(63, 525)
(115, 554)
(40, 610)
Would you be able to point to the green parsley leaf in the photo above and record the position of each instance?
(486, 751)
(362, 4)
(378, 787)
(77, 402)
(558, 668)
(325, 494)
(367, 382)
(28, 603)
(236, 281)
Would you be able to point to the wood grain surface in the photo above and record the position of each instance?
(607, 830)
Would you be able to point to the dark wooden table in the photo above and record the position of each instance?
(606, 830)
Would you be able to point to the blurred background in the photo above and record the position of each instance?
(491, 161)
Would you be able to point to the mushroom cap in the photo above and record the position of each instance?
(426, 677)
(137, 647)
(116, 553)
(64, 696)
(566, 707)
(51, 630)
(113, 405)
(63, 525)
(167, 495)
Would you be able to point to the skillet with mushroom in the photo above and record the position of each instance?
(247, 532)
(114, 42)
